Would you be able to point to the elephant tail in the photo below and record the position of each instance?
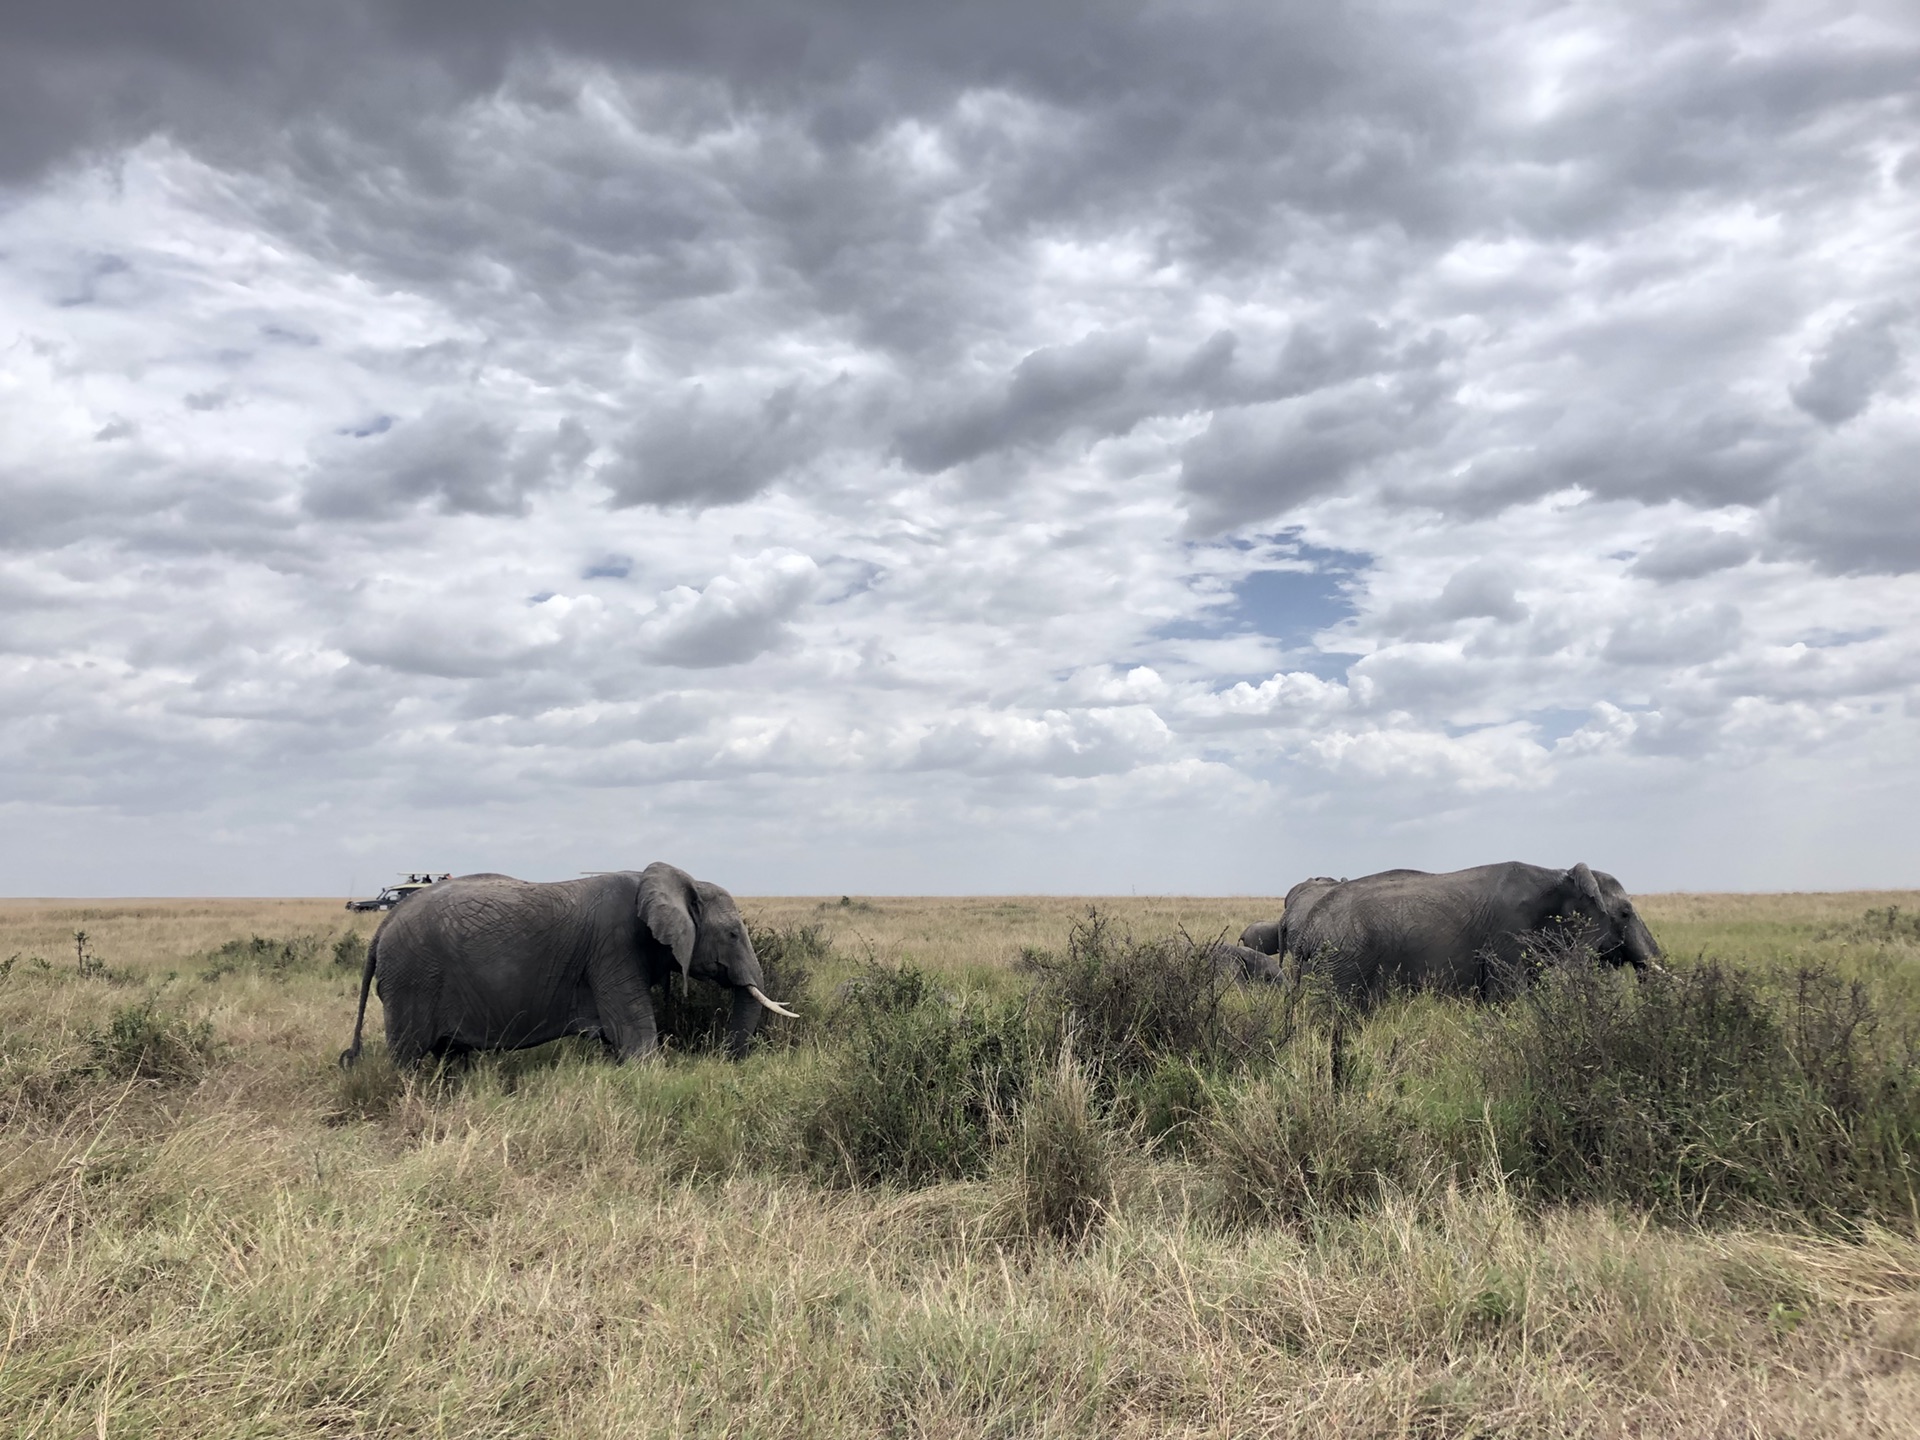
(352, 1052)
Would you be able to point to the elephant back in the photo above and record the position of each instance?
(455, 916)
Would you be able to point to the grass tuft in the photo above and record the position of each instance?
(1296, 1145)
(139, 1042)
(1060, 1158)
(369, 1089)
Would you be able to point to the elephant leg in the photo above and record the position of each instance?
(1346, 977)
(409, 1022)
(408, 1040)
(627, 1022)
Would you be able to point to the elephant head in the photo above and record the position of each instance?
(1244, 964)
(700, 926)
(1614, 928)
(1293, 914)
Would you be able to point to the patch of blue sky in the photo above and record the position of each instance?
(1291, 606)
(1554, 725)
(612, 567)
(1304, 590)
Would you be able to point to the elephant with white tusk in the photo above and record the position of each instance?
(487, 962)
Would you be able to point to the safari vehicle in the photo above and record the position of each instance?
(394, 894)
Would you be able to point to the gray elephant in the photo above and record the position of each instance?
(1461, 933)
(1269, 937)
(1243, 964)
(1263, 936)
(487, 962)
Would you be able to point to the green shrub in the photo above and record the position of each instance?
(1134, 1005)
(1171, 1103)
(882, 990)
(262, 955)
(1700, 1091)
(140, 1043)
(350, 950)
(89, 966)
(918, 1082)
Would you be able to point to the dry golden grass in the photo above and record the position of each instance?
(951, 933)
(553, 1249)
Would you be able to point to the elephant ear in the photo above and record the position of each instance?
(665, 893)
(1586, 886)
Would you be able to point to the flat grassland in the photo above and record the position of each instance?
(209, 1230)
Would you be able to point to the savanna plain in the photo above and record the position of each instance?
(1025, 1166)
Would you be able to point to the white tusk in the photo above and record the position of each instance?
(774, 1005)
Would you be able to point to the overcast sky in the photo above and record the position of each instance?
(856, 446)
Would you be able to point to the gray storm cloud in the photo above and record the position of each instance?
(460, 459)
(598, 425)
(1692, 552)
(1863, 355)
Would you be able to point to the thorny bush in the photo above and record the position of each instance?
(1704, 1090)
(1136, 1005)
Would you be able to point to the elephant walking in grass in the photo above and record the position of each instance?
(1466, 932)
(487, 962)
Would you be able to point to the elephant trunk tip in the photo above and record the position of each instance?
(774, 1005)
(1642, 948)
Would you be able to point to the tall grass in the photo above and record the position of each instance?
(1061, 1157)
(1099, 1194)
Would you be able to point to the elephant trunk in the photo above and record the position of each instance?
(743, 1020)
(1642, 949)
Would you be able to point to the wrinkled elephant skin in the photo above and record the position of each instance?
(487, 962)
(1459, 933)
